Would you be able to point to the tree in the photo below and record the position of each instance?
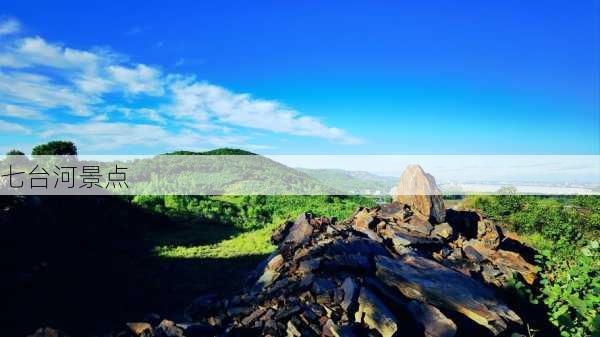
(57, 147)
(215, 152)
(15, 152)
(15, 157)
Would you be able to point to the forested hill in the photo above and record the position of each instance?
(215, 152)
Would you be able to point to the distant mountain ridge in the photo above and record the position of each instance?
(358, 181)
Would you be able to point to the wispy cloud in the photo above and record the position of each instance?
(40, 78)
(21, 112)
(13, 128)
(201, 101)
(106, 136)
(140, 79)
(40, 91)
(9, 26)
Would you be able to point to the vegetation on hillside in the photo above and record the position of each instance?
(253, 219)
(565, 231)
(215, 152)
(353, 181)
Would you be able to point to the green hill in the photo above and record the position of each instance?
(215, 152)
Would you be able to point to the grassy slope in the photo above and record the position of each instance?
(256, 241)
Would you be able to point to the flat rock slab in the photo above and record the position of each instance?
(300, 232)
(373, 312)
(427, 281)
(434, 322)
(395, 211)
(507, 261)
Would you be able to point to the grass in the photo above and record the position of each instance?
(243, 244)
(198, 241)
(537, 241)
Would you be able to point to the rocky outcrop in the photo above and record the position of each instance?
(418, 190)
(430, 282)
(380, 273)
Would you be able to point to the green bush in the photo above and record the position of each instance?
(15, 152)
(565, 230)
(571, 289)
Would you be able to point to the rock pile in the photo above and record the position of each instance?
(384, 272)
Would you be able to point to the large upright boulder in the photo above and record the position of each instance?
(418, 190)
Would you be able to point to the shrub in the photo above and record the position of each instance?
(571, 289)
(559, 227)
(15, 152)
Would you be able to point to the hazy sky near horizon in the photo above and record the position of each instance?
(374, 77)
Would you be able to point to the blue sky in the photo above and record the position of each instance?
(468, 77)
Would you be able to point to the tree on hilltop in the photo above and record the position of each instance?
(55, 148)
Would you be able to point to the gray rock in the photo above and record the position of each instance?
(372, 312)
(168, 328)
(428, 281)
(434, 323)
(48, 332)
(141, 329)
(275, 262)
(266, 279)
(308, 266)
(489, 234)
(197, 329)
(363, 219)
(350, 289)
(256, 314)
(322, 285)
(300, 232)
(330, 329)
(352, 261)
(292, 330)
(443, 230)
(418, 190)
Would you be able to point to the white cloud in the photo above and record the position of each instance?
(201, 101)
(35, 51)
(105, 136)
(206, 127)
(141, 79)
(135, 113)
(9, 26)
(12, 61)
(152, 115)
(13, 128)
(100, 118)
(93, 84)
(110, 135)
(22, 112)
(38, 90)
(79, 80)
(38, 77)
